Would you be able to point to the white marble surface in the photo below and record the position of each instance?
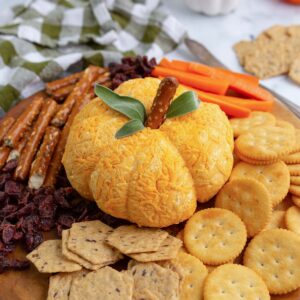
(219, 33)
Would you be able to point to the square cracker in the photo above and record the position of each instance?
(60, 285)
(154, 281)
(88, 240)
(268, 59)
(132, 239)
(167, 250)
(73, 256)
(242, 49)
(105, 283)
(48, 258)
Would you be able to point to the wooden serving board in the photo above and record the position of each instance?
(32, 285)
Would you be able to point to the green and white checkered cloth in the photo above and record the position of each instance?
(47, 37)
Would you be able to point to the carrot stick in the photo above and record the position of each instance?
(231, 109)
(219, 73)
(180, 65)
(252, 90)
(165, 63)
(215, 86)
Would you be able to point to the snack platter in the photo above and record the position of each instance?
(170, 249)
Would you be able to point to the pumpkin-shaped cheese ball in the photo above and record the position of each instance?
(154, 176)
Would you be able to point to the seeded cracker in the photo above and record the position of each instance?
(257, 118)
(215, 235)
(275, 177)
(275, 255)
(294, 72)
(48, 258)
(242, 49)
(60, 285)
(167, 250)
(266, 143)
(192, 273)
(250, 200)
(103, 284)
(132, 239)
(88, 240)
(154, 280)
(292, 219)
(74, 257)
(231, 281)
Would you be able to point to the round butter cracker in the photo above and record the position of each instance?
(293, 158)
(231, 281)
(275, 255)
(266, 143)
(215, 235)
(295, 180)
(250, 200)
(254, 161)
(292, 219)
(192, 273)
(295, 190)
(294, 169)
(275, 177)
(277, 220)
(257, 118)
(296, 200)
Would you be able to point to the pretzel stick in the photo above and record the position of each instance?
(62, 82)
(4, 152)
(82, 87)
(16, 152)
(161, 102)
(61, 93)
(25, 120)
(55, 164)
(42, 161)
(5, 125)
(38, 130)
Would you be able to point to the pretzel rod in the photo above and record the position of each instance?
(42, 161)
(27, 155)
(61, 93)
(82, 87)
(5, 125)
(25, 120)
(4, 152)
(161, 102)
(62, 82)
(55, 164)
(16, 152)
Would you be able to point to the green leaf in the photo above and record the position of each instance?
(130, 107)
(183, 104)
(130, 128)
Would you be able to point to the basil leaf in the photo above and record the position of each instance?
(130, 107)
(183, 104)
(130, 128)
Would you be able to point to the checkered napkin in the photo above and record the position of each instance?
(47, 37)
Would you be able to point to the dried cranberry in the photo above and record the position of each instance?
(18, 235)
(3, 197)
(47, 190)
(46, 224)
(60, 199)
(10, 166)
(66, 220)
(32, 240)
(47, 207)
(24, 198)
(3, 178)
(25, 210)
(8, 209)
(6, 264)
(30, 224)
(8, 233)
(13, 188)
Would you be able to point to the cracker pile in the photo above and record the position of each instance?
(274, 52)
